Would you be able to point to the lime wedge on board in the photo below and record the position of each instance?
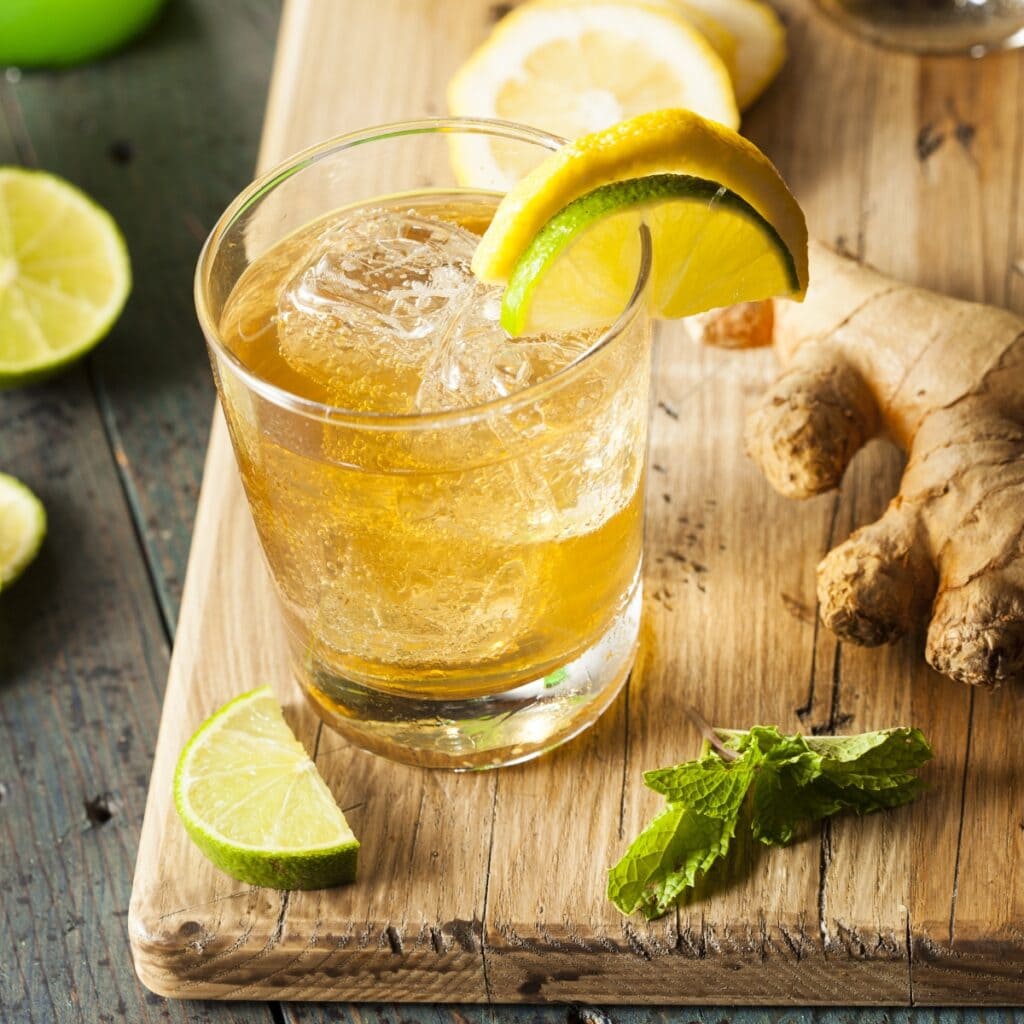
(252, 800)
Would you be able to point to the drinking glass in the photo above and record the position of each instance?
(461, 587)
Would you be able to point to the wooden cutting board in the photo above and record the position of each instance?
(490, 887)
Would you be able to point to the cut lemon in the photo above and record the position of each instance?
(720, 38)
(64, 274)
(724, 226)
(759, 40)
(573, 68)
(22, 528)
(716, 34)
(253, 802)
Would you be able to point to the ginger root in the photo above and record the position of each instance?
(865, 355)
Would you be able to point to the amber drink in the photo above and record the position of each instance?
(452, 517)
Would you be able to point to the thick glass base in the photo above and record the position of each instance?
(482, 732)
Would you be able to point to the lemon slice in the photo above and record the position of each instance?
(747, 35)
(758, 37)
(64, 274)
(573, 68)
(716, 34)
(253, 802)
(724, 226)
(719, 37)
(22, 528)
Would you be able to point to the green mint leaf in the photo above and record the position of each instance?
(776, 782)
(863, 774)
(873, 760)
(781, 801)
(777, 750)
(797, 763)
(866, 800)
(709, 786)
(779, 810)
(675, 848)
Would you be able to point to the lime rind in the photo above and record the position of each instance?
(23, 521)
(635, 197)
(277, 867)
(105, 250)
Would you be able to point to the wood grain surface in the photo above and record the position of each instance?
(490, 887)
(130, 129)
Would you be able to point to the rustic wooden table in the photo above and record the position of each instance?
(164, 135)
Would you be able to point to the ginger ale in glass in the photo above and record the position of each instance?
(453, 518)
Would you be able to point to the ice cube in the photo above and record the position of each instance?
(373, 299)
(458, 605)
(386, 314)
(477, 361)
(474, 361)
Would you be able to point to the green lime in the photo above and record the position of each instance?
(710, 248)
(565, 239)
(40, 33)
(253, 802)
(64, 274)
(22, 528)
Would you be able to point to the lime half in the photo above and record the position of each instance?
(22, 528)
(253, 802)
(60, 32)
(64, 274)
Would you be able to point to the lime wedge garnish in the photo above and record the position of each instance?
(711, 248)
(22, 528)
(724, 226)
(64, 274)
(253, 802)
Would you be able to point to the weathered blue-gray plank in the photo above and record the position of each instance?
(83, 658)
(394, 1013)
(164, 134)
(83, 648)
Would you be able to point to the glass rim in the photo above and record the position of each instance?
(326, 412)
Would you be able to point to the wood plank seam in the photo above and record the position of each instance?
(16, 126)
(130, 493)
(960, 825)
(1016, 174)
(910, 963)
(487, 888)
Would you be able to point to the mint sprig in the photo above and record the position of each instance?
(765, 780)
